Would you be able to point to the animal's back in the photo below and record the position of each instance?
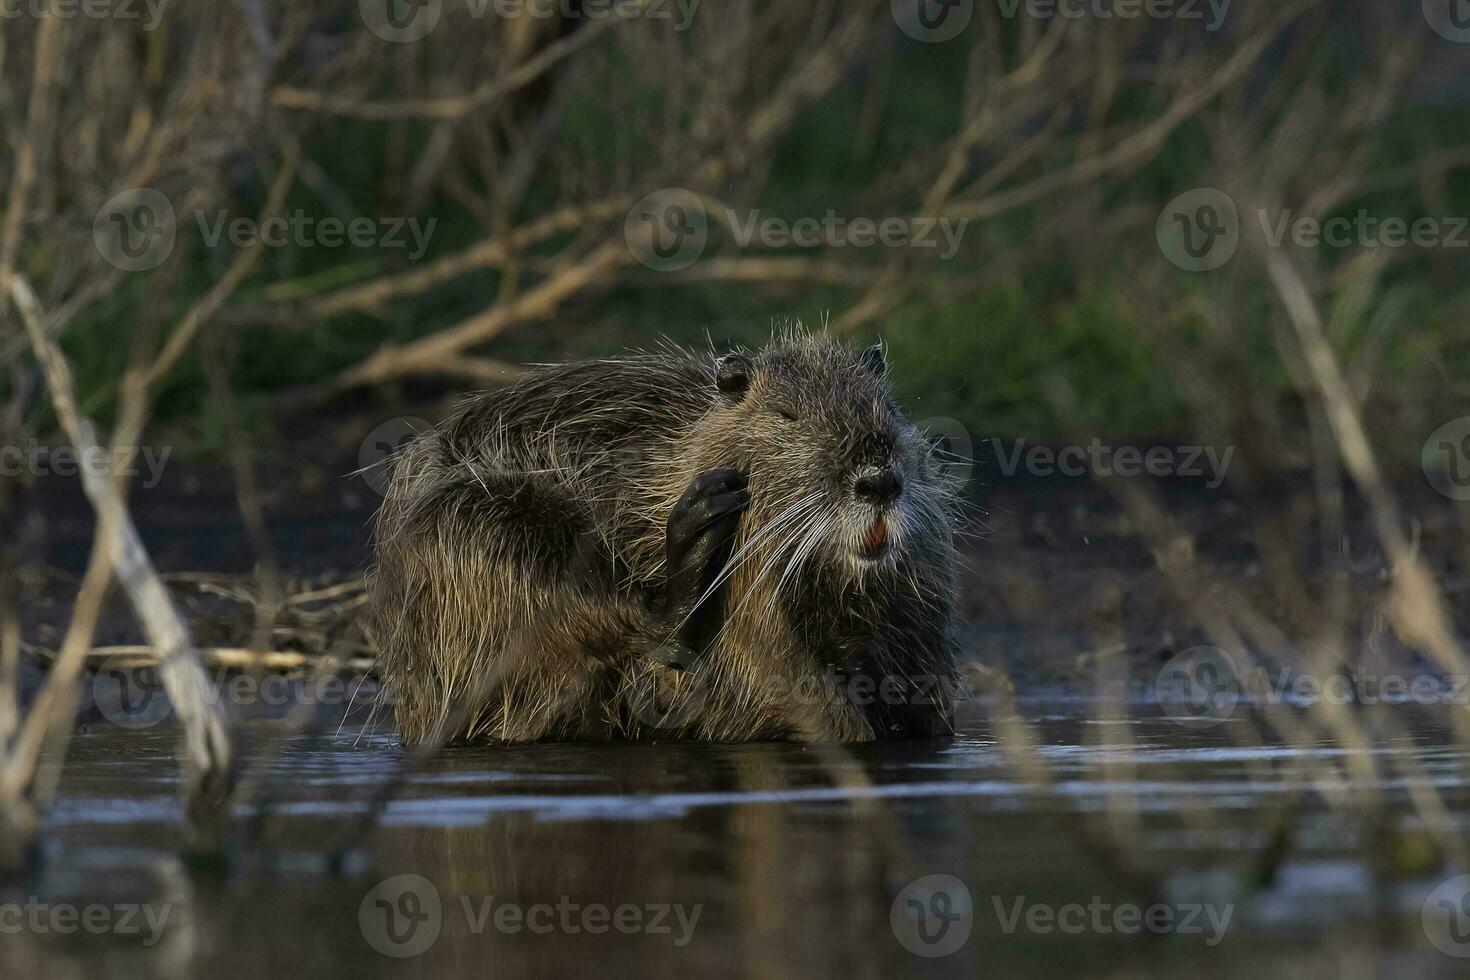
(555, 545)
(589, 414)
(525, 507)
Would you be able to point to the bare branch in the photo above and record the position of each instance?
(207, 746)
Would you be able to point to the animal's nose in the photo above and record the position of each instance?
(878, 486)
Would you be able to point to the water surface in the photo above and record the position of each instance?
(767, 860)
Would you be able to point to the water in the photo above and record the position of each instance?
(765, 860)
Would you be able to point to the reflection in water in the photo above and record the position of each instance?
(764, 860)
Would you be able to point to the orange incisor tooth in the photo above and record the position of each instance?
(877, 535)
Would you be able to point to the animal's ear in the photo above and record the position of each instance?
(732, 377)
(875, 358)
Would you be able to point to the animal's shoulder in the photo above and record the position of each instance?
(592, 403)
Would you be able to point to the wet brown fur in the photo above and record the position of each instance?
(521, 542)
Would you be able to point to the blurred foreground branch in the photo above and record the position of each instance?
(207, 755)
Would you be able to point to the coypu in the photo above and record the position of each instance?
(753, 546)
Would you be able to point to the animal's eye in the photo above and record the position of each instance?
(786, 414)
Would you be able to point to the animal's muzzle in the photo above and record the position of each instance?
(879, 486)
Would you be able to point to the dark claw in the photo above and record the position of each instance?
(700, 535)
(724, 504)
(675, 656)
(709, 497)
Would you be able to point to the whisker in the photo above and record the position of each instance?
(813, 535)
(795, 536)
(743, 554)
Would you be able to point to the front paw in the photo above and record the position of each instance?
(705, 517)
(700, 535)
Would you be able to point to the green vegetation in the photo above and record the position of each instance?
(991, 355)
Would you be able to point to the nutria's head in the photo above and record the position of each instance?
(838, 475)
